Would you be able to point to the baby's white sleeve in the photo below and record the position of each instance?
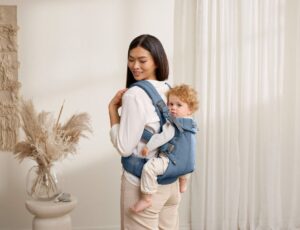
(158, 139)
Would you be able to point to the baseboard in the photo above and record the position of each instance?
(185, 227)
(97, 228)
(182, 227)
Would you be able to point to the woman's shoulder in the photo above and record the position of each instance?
(135, 96)
(135, 93)
(161, 86)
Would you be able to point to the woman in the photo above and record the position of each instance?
(147, 60)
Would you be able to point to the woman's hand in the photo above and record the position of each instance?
(114, 105)
(116, 101)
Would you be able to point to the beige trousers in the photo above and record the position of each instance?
(162, 215)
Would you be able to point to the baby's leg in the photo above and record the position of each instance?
(154, 167)
(183, 182)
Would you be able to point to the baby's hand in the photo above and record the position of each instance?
(144, 151)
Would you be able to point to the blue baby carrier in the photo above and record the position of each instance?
(180, 149)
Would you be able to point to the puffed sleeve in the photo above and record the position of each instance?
(126, 135)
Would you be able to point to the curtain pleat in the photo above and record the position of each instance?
(243, 58)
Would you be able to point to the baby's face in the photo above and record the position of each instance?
(177, 107)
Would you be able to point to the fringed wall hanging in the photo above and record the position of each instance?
(9, 85)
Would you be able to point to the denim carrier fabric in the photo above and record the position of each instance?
(180, 149)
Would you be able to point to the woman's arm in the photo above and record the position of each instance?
(127, 129)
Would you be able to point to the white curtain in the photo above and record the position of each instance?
(243, 57)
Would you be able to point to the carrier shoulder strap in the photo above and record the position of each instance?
(159, 104)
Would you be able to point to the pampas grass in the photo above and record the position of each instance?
(47, 140)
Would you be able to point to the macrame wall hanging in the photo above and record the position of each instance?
(9, 85)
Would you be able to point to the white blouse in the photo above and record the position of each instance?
(137, 112)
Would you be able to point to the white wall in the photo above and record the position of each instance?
(75, 50)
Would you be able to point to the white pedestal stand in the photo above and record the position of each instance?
(50, 215)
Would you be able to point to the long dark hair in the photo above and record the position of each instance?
(154, 46)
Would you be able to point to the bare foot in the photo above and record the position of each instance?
(141, 205)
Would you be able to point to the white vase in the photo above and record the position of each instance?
(42, 183)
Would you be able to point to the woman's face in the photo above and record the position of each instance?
(141, 64)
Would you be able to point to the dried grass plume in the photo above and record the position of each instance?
(46, 139)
